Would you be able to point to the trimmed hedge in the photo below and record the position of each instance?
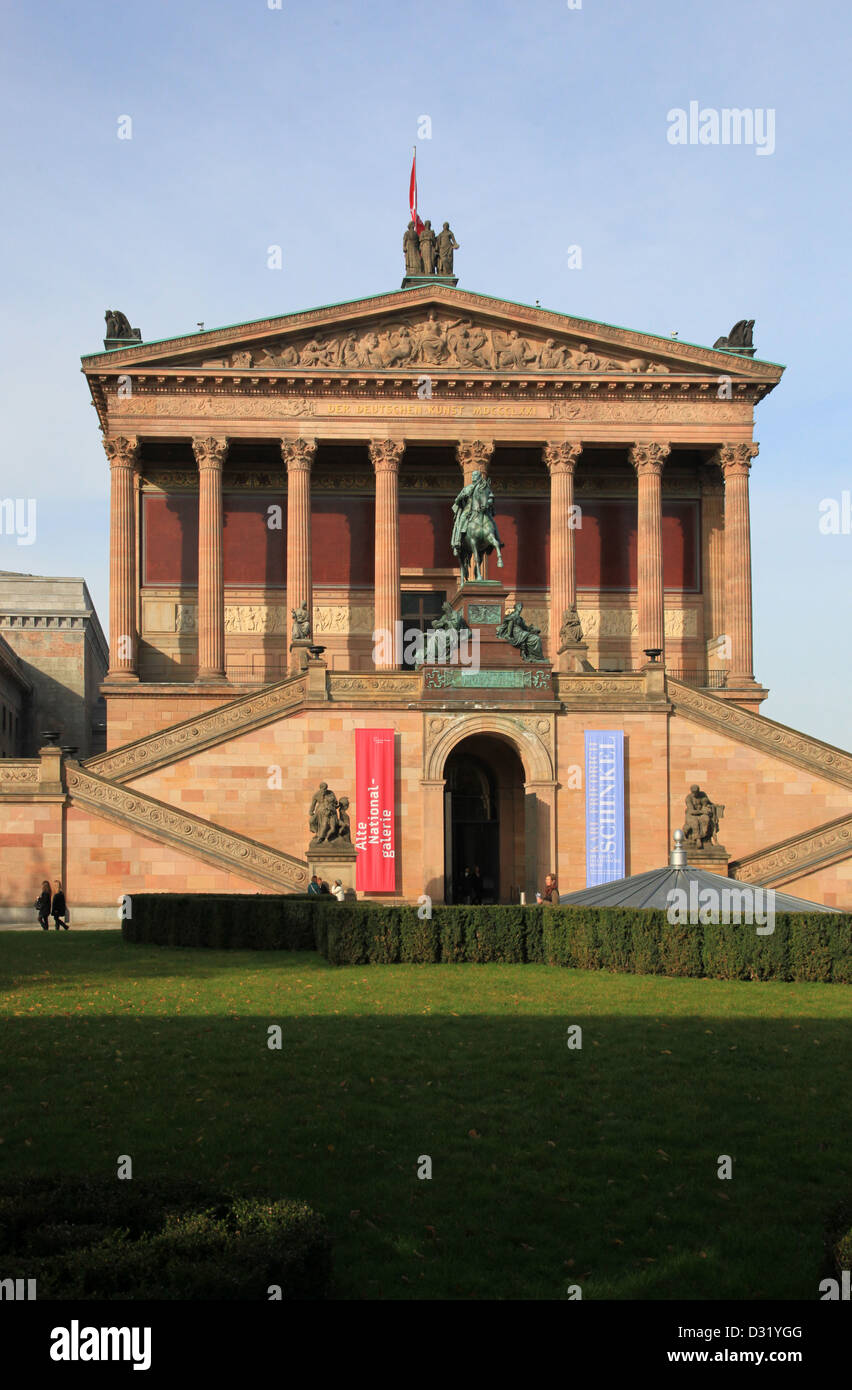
(363, 933)
(105, 1239)
(222, 921)
(804, 946)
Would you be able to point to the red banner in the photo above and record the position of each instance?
(375, 837)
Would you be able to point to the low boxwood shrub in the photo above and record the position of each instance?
(817, 942)
(222, 921)
(102, 1239)
(419, 943)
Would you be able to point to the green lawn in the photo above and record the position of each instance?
(550, 1166)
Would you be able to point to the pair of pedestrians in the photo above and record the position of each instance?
(52, 905)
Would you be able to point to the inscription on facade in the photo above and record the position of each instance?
(442, 678)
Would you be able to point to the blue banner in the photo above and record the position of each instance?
(604, 806)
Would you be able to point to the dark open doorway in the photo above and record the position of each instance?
(484, 821)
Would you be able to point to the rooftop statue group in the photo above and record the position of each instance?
(426, 253)
(118, 325)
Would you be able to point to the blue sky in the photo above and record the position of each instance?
(255, 126)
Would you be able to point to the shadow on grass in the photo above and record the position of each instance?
(106, 953)
(550, 1166)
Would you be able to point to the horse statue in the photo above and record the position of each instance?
(475, 533)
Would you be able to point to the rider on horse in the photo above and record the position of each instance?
(474, 530)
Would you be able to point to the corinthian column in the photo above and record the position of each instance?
(385, 456)
(122, 453)
(298, 456)
(210, 456)
(474, 455)
(648, 460)
(561, 460)
(735, 463)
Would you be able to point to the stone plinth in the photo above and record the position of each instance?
(501, 673)
(482, 604)
(299, 653)
(713, 858)
(573, 656)
(336, 859)
(410, 281)
(317, 687)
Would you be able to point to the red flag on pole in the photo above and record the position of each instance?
(412, 194)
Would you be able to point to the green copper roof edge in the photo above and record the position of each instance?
(383, 294)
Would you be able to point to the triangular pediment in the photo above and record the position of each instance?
(441, 329)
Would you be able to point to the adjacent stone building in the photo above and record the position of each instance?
(52, 628)
(15, 693)
(310, 463)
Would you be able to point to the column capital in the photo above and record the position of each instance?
(298, 454)
(649, 457)
(474, 455)
(386, 454)
(210, 453)
(122, 450)
(735, 459)
(562, 456)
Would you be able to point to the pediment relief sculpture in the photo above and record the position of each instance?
(440, 341)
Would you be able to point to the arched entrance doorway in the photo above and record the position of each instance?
(484, 824)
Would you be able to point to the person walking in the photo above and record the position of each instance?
(338, 891)
(314, 887)
(42, 904)
(59, 907)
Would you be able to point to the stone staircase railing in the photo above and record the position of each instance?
(787, 859)
(809, 754)
(191, 735)
(201, 839)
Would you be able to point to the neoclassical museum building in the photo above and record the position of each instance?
(307, 466)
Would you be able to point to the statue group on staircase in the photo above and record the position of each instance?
(701, 823)
(328, 818)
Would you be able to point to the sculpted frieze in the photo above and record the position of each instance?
(342, 619)
(440, 341)
(281, 407)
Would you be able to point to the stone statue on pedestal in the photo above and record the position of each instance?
(328, 818)
(740, 336)
(451, 620)
(301, 623)
(474, 532)
(521, 634)
(427, 249)
(322, 817)
(344, 830)
(118, 326)
(701, 824)
(447, 244)
(571, 630)
(411, 251)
